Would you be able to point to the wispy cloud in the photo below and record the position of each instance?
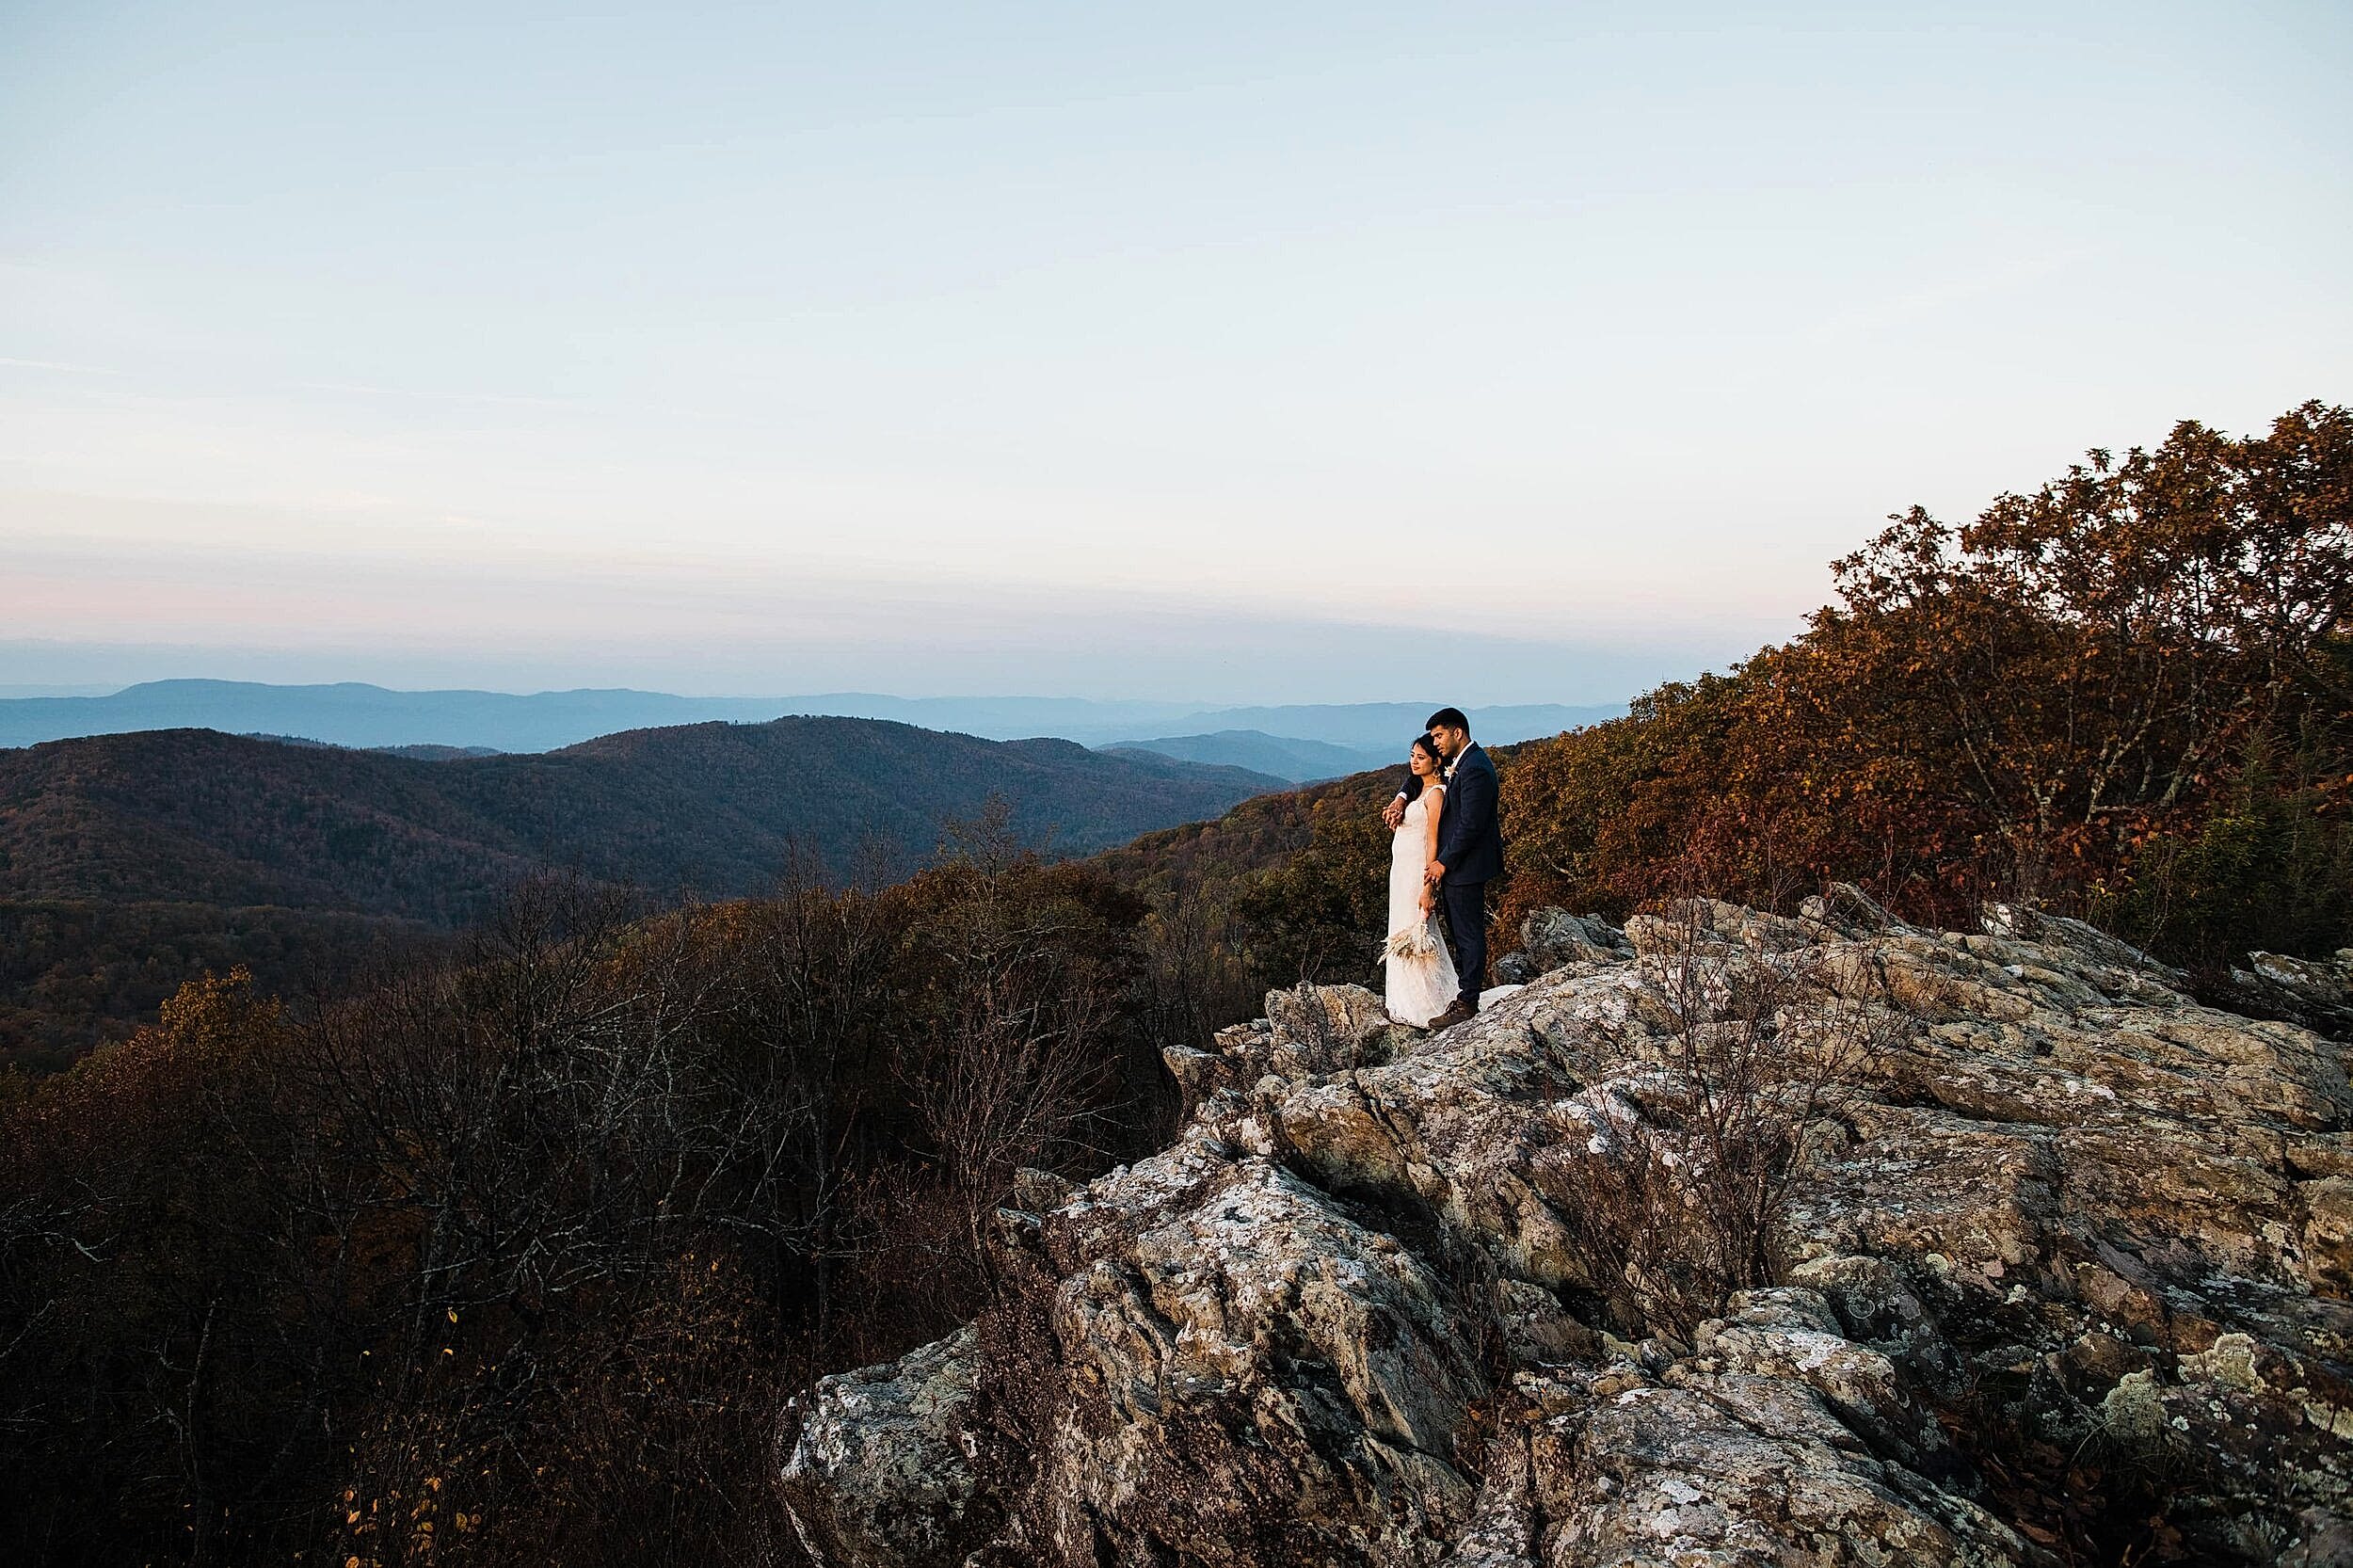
(14, 363)
(412, 396)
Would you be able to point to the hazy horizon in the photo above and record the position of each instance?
(1181, 707)
(1229, 355)
(1286, 740)
(1256, 665)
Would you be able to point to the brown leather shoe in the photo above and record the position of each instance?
(1461, 1012)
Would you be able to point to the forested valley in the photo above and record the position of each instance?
(131, 862)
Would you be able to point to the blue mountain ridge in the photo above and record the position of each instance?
(356, 714)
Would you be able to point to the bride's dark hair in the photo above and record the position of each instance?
(1414, 780)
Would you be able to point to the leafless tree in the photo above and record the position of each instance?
(1012, 1068)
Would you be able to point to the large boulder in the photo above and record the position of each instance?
(2315, 992)
(881, 1473)
(1553, 939)
(2063, 1279)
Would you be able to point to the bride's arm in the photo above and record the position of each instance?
(1435, 796)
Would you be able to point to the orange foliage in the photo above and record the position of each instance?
(2018, 708)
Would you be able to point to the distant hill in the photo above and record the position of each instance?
(356, 714)
(1387, 727)
(353, 713)
(1300, 762)
(143, 833)
(199, 816)
(422, 753)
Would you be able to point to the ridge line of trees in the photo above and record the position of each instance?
(2126, 695)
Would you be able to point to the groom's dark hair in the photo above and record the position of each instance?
(1449, 718)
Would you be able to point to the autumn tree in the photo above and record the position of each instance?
(2123, 692)
(2082, 660)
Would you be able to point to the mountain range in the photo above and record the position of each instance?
(199, 816)
(1283, 755)
(130, 862)
(336, 823)
(355, 715)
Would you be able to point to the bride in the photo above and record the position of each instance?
(1422, 978)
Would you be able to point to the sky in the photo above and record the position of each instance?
(1264, 353)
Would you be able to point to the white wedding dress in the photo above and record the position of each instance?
(1422, 978)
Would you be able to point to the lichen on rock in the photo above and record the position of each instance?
(2072, 1265)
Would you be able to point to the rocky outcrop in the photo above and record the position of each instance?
(2063, 1280)
(2315, 992)
(1554, 939)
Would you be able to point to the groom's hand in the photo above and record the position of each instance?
(1435, 873)
(1394, 812)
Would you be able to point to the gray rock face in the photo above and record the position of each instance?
(2067, 1278)
(1553, 939)
(885, 1462)
(2316, 993)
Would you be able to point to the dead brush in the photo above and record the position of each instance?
(1675, 1183)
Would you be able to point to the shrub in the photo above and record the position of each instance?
(1676, 1194)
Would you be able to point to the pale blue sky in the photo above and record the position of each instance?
(1222, 353)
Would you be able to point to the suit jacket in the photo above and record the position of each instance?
(1470, 840)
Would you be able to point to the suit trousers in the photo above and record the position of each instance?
(1465, 907)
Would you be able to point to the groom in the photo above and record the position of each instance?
(1470, 854)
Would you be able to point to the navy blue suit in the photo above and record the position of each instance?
(1470, 847)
